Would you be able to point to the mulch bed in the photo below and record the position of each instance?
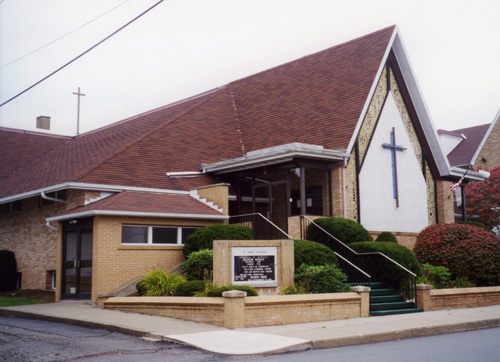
(47, 295)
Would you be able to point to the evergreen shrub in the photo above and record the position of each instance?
(199, 264)
(189, 288)
(347, 231)
(8, 271)
(387, 236)
(321, 279)
(382, 269)
(437, 276)
(468, 251)
(312, 253)
(217, 291)
(203, 238)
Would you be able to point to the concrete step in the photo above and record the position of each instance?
(391, 306)
(384, 291)
(386, 298)
(395, 311)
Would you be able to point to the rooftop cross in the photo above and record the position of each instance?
(78, 111)
(394, 147)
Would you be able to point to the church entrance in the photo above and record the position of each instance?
(77, 259)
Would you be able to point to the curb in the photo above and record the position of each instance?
(406, 333)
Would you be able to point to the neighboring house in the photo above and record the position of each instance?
(343, 132)
(487, 155)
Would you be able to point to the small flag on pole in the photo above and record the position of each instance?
(455, 186)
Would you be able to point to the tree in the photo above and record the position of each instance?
(483, 199)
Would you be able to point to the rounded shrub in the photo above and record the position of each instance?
(382, 269)
(321, 279)
(347, 231)
(387, 236)
(8, 271)
(203, 238)
(189, 288)
(199, 264)
(312, 253)
(217, 291)
(468, 251)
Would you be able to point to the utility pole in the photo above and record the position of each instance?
(78, 111)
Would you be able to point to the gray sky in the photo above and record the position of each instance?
(185, 47)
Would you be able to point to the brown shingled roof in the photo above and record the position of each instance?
(146, 203)
(465, 150)
(317, 99)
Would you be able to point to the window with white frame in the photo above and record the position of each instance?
(149, 234)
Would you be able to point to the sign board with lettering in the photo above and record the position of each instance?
(254, 266)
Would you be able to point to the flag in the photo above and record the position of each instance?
(455, 186)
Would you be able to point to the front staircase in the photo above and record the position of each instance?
(385, 301)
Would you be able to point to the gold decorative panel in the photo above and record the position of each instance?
(372, 115)
(431, 195)
(352, 168)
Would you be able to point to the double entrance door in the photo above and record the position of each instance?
(77, 259)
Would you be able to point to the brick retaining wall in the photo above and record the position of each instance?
(437, 299)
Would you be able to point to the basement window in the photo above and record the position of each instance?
(148, 234)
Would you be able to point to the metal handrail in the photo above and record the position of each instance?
(351, 264)
(266, 219)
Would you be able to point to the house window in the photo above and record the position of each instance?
(10, 207)
(60, 195)
(147, 234)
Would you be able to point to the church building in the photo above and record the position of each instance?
(343, 132)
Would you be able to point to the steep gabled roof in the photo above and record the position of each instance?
(318, 100)
(471, 137)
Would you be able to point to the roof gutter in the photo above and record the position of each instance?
(44, 196)
(134, 214)
(86, 186)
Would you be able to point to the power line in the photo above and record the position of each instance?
(62, 36)
(82, 54)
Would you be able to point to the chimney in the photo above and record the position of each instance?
(43, 122)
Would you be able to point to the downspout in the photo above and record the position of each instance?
(51, 227)
(344, 191)
(44, 196)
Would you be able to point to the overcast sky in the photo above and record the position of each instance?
(185, 47)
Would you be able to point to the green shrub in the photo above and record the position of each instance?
(461, 282)
(387, 236)
(321, 279)
(159, 283)
(312, 253)
(347, 231)
(190, 288)
(203, 238)
(437, 276)
(295, 288)
(199, 264)
(217, 291)
(8, 271)
(476, 223)
(380, 268)
(468, 251)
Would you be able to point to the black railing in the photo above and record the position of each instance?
(377, 265)
(262, 227)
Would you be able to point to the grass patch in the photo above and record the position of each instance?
(15, 301)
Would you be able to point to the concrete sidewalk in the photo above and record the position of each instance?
(263, 340)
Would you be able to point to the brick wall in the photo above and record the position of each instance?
(489, 156)
(406, 239)
(34, 244)
(218, 194)
(115, 264)
(237, 311)
(438, 299)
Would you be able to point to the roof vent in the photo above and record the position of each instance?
(43, 122)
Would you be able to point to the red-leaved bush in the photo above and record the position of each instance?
(466, 250)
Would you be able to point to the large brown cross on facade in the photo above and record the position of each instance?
(393, 147)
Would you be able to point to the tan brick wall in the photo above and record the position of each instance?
(35, 245)
(285, 256)
(248, 311)
(489, 156)
(218, 194)
(406, 239)
(446, 214)
(115, 264)
(438, 299)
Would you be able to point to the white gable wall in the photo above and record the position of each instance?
(377, 205)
